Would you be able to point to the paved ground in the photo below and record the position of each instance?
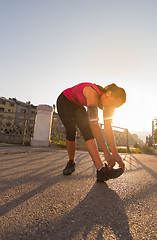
(37, 202)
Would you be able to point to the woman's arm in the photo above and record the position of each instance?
(92, 105)
(109, 135)
(98, 135)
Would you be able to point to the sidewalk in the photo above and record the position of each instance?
(38, 202)
(15, 148)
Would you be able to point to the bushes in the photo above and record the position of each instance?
(137, 145)
(59, 141)
(138, 149)
(147, 150)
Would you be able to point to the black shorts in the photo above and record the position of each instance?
(71, 116)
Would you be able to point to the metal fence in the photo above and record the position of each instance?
(17, 128)
(121, 136)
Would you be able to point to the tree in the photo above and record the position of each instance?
(28, 102)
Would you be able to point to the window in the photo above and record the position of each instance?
(1, 109)
(11, 104)
(2, 102)
(23, 110)
(1, 115)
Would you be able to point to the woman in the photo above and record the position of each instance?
(70, 106)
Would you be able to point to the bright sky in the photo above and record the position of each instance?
(47, 46)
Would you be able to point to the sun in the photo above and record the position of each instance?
(120, 118)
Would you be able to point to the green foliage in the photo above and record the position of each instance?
(147, 150)
(122, 150)
(59, 141)
(136, 150)
(137, 145)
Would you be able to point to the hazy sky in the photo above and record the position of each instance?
(47, 46)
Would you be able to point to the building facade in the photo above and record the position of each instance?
(154, 131)
(23, 110)
(17, 120)
(7, 112)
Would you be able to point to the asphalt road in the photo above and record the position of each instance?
(38, 202)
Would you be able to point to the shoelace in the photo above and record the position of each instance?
(108, 171)
(69, 164)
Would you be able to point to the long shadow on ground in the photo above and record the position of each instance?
(100, 211)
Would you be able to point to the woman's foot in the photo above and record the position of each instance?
(70, 167)
(105, 174)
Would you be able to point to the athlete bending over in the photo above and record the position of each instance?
(70, 106)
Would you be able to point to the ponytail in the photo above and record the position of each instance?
(116, 91)
(100, 87)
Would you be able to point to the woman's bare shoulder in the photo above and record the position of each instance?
(91, 95)
(88, 90)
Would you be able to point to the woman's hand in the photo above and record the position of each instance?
(110, 160)
(119, 160)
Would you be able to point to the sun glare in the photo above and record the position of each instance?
(121, 118)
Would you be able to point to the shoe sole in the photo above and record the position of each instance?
(103, 180)
(118, 174)
(69, 172)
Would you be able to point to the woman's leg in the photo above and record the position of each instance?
(65, 110)
(93, 151)
(82, 122)
(71, 145)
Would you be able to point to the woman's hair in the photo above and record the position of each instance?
(116, 91)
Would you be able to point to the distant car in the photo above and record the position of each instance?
(155, 145)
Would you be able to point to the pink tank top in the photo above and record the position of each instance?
(75, 93)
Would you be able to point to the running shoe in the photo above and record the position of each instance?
(105, 173)
(70, 167)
